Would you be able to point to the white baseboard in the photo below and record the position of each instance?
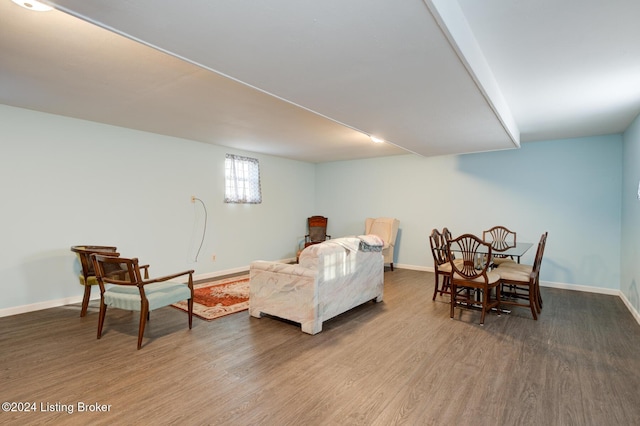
(577, 287)
(413, 267)
(39, 306)
(633, 310)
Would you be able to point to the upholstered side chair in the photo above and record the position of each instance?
(387, 229)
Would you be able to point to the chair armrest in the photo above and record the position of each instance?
(168, 277)
(146, 271)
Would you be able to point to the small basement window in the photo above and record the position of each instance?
(242, 180)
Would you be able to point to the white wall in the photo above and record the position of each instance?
(570, 188)
(630, 260)
(68, 182)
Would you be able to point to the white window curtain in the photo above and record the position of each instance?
(242, 180)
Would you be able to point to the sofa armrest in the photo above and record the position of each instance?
(283, 268)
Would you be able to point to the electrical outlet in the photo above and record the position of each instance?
(213, 257)
(193, 198)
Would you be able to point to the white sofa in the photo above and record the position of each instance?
(330, 278)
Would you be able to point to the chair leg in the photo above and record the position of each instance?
(144, 312)
(437, 283)
(533, 301)
(391, 264)
(484, 307)
(190, 307)
(445, 284)
(103, 311)
(85, 300)
(538, 297)
(453, 297)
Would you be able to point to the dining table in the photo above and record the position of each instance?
(502, 249)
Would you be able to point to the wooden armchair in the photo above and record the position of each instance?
(87, 276)
(130, 291)
(317, 226)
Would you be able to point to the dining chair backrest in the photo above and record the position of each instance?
(438, 248)
(446, 234)
(500, 237)
(537, 262)
(473, 252)
(472, 271)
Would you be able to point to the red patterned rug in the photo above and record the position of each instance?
(218, 298)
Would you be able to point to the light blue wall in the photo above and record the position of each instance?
(570, 188)
(68, 182)
(55, 170)
(630, 262)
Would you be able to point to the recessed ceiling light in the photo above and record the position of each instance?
(33, 5)
(376, 139)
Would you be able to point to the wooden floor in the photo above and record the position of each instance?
(403, 361)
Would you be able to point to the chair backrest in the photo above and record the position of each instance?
(500, 238)
(539, 253)
(384, 227)
(84, 257)
(116, 270)
(317, 228)
(446, 234)
(438, 248)
(474, 253)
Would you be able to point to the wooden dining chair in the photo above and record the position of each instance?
(441, 266)
(501, 239)
(521, 283)
(473, 273)
(129, 290)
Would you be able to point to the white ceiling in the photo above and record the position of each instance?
(307, 79)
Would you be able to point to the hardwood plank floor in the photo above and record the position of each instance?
(403, 361)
